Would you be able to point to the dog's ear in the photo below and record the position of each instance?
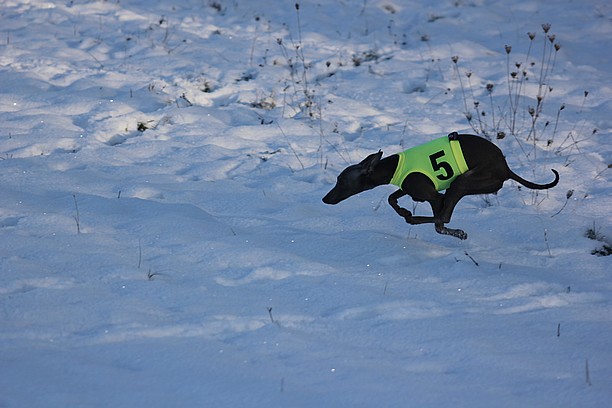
(370, 162)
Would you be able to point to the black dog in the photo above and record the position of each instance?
(482, 169)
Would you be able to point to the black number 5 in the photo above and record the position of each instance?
(441, 165)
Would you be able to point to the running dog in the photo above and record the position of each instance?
(461, 164)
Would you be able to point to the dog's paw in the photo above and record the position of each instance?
(457, 233)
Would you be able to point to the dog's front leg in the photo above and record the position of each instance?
(410, 219)
(402, 212)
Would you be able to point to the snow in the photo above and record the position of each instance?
(163, 240)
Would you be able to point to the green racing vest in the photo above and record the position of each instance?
(441, 160)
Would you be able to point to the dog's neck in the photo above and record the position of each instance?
(385, 170)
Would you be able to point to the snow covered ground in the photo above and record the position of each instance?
(163, 240)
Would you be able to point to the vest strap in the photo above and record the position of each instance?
(456, 149)
(399, 175)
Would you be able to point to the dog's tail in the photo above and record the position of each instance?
(535, 186)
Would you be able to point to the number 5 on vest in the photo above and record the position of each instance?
(441, 165)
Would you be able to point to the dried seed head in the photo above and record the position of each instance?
(557, 47)
(468, 74)
(531, 35)
(476, 103)
(490, 87)
(586, 93)
(517, 64)
(531, 111)
(513, 74)
(508, 49)
(569, 194)
(501, 135)
(455, 58)
(468, 116)
(546, 27)
(562, 107)
(297, 6)
(551, 38)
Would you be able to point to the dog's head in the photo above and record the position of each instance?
(354, 179)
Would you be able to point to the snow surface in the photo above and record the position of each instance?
(163, 240)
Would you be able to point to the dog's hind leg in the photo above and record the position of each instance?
(469, 183)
